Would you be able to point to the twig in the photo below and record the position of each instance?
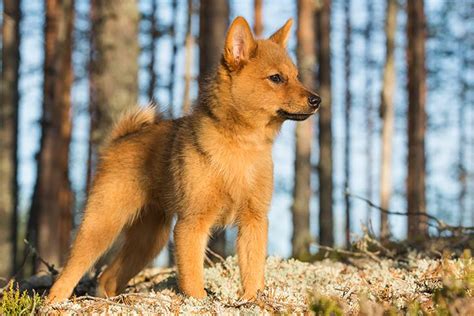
(18, 271)
(208, 260)
(150, 278)
(33, 250)
(218, 256)
(369, 236)
(275, 304)
(108, 301)
(360, 254)
(147, 296)
(440, 225)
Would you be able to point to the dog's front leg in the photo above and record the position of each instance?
(190, 239)
(251, 251)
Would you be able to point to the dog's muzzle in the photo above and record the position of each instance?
(293, 116)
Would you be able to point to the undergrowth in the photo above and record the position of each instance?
(14, 302)
(454, 297)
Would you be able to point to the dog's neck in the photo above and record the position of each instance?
(217, 105)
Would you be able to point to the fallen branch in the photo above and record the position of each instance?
(440, 225)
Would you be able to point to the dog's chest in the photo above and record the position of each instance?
(240, 176)
(237, 168)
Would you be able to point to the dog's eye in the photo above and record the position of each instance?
(276, 78)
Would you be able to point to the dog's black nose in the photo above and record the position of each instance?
(314, 101)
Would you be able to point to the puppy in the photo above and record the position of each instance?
(209, 169)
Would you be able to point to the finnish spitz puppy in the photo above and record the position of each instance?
(208, 169)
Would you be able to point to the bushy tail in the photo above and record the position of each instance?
(133, 121)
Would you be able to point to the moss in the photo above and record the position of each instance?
(326, 306)
(333, 255)
(15, 302)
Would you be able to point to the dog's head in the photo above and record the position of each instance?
(263, 77)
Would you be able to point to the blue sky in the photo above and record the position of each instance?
(442, 105)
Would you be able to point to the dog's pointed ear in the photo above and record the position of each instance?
(239, 43)
(283, 34)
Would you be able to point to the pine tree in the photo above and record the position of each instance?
(387, 114)
(8, 135)
(416, 34)
(303, 135)
(188, 51)
(258, 18)
(347, 116)
(323, 33)
(51, 211)
(114, 67)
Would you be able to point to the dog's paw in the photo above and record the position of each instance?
(196, 293)
(248, 297)
(54, 299)
(58, 293)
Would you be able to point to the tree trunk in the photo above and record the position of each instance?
(154, 34)
(417, 226)
(347, 117)
(462, 171)
(323, 27)
(258, 18)
(369, 66)
(174, 52)
(213, 23)
(466, 46)
(53, 199)
(387, 115)
(301, 238)
(8, 136)
(188, 51)
(113, 84)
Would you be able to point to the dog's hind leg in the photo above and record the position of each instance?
(143, 241)
(113, 203)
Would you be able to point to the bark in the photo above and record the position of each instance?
(369, 65)
(8, 136)
(323, 27)
(462, 171)
(306, 55)
(213, 23)
(174, 52)
(416, 34)
(258, 18)
(154, 34)
(387, 115)
(53, 199)
(347, 117)
(462, 130)
(188, 63)
(114, 67)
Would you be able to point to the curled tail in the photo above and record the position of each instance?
(134, 121)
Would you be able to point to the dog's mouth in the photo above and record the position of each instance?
(293, 116)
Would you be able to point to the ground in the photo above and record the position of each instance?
(362, 285)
